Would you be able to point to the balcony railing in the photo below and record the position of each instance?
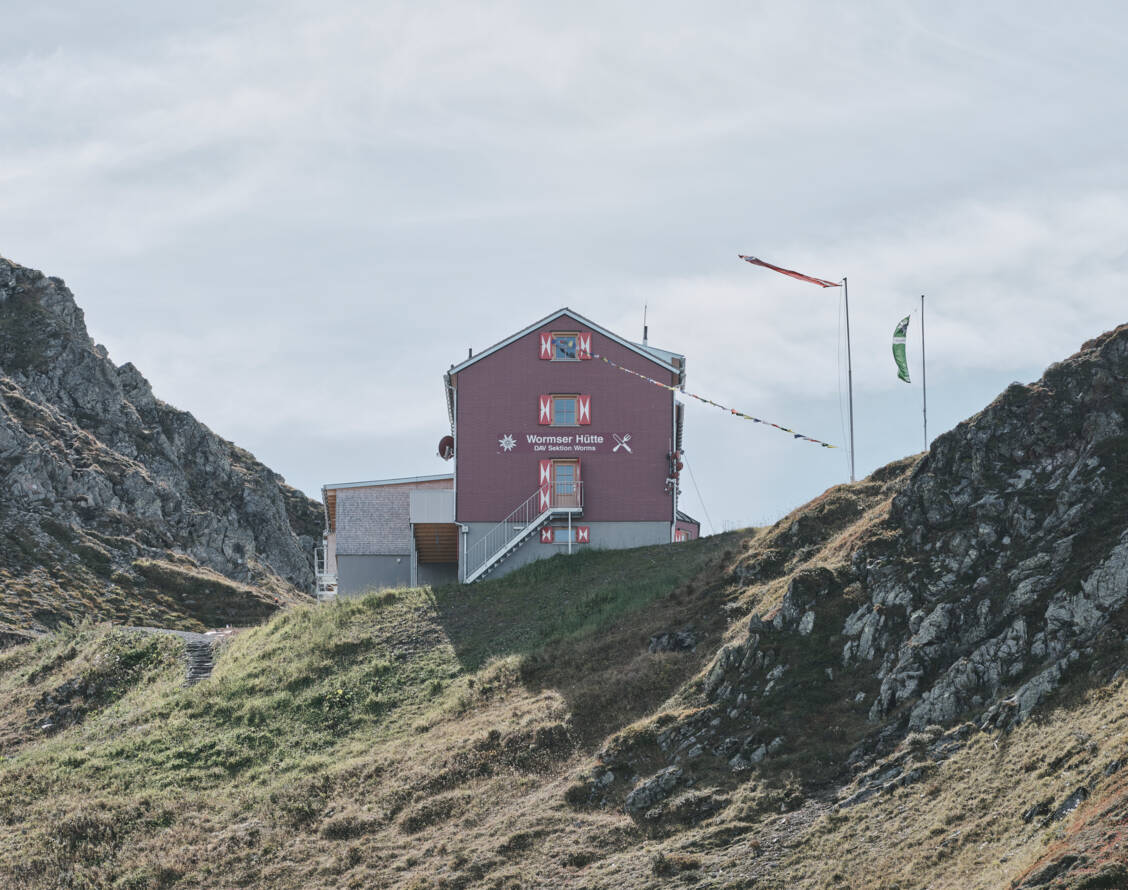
(325, 581)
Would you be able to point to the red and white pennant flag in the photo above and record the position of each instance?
(819, 281)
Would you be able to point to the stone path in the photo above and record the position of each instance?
(199, 650)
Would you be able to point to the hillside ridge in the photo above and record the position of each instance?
(987, 574)
(117, 505)
(915, 680)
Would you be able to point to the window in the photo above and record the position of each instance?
(579, 534)
(564, 347)
(564, 411)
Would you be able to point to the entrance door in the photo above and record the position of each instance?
(565, 483)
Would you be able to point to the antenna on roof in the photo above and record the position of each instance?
(644, 328)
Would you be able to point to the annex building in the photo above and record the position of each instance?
(554, 448)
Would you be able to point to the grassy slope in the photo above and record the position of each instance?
(175, 592)
(385, 741)
(964, 826)
(426, 739)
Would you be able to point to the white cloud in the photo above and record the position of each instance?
(1008, 285)
(281, 212)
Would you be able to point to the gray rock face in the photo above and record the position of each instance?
(673, 641)
(1012, 552)
(998, 570)
(653, 790)
(96, 472)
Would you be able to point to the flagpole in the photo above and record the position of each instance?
(849, 372)
(923, 375)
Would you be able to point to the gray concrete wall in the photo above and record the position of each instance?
(359, 574)
(436, 573)
(604, 535)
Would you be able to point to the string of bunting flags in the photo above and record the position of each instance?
(714, 404)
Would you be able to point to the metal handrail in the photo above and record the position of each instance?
(325, 582)
(528, 515)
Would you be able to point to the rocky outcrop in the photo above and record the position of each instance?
(99, 479)
(960, 589)
(1012, 557)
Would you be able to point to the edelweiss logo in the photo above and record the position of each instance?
(507, 442)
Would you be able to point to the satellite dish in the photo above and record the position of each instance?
(446, 447)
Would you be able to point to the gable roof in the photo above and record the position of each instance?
(659, 357)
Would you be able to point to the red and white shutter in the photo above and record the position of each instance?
(583, 345)
(546, 347)
(583, 534)
(544, 501)
(583, 410)
(544, 414)
(546, 534)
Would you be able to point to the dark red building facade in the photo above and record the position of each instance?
(555, 448)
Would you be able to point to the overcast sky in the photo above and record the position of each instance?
(292, 217)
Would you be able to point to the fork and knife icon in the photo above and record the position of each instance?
(622, 442)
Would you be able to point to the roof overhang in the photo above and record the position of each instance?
(403, 480)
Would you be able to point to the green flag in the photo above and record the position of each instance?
(899, 349)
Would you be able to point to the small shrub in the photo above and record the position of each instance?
(379, 598)
(665, 865)
(301, 803)
(433, 811)
(917, 742)
(337, 708)
(348, 825)
(580, 858)
(96, 559)
(1108, 878)
(578, 793)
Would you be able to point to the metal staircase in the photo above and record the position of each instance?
(504, 539)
